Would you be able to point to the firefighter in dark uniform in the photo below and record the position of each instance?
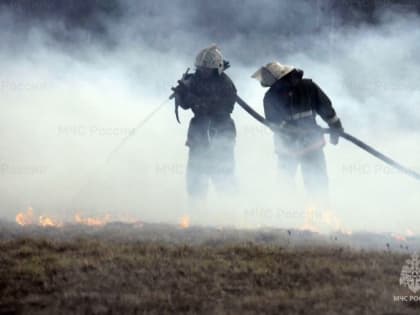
(211, 96)
(292, 104)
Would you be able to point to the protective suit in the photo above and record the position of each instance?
(292, 103)
(211, 96)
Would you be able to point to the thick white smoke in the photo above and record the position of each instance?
(64, 110)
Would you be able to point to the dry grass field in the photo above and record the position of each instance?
(161, 269)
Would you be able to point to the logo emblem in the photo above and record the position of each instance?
(410, 274)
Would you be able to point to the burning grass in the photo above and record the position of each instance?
(159, 269)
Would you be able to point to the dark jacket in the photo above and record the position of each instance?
(212, 100)
(215, 95)
(294, 102)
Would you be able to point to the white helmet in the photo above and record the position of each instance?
(210, 57)
(271, 72)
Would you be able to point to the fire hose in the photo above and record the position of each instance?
(342, 134)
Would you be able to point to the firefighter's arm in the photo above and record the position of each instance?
(325, 109)
(273, 116)
(228, 98)
(184, 97)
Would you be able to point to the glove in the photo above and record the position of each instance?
(335, 128)
(181, 89)
(183, 96)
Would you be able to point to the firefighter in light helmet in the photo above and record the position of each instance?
(292, 104)
(209, 59)
(211, 96)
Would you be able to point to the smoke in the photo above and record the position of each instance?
(76, 81)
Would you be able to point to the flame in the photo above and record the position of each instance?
(409, 232)
(185, 222)
(327, 219)
(331, 220)
(403, 237)
(92, 221)
(399, 237)
(25, 218)
(309, 224)
(310, 228)
(28, 218)
(48, 222)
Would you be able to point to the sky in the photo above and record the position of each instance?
(71, 89)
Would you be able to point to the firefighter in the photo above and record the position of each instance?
(211, 96)
(292, 104)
